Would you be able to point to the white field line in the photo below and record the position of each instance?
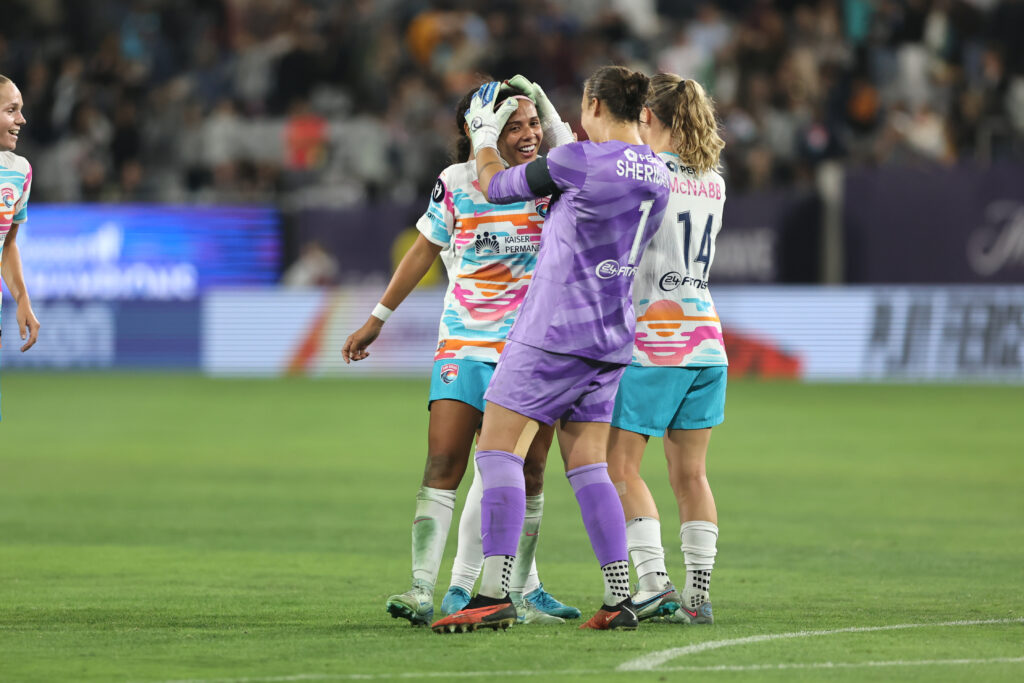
(567, 672)
(654, 660)
(663, 656)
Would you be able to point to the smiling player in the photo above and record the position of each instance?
(490, 252)
(15, 186)
(675, 385)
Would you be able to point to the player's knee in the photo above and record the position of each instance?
(690, 477)
(622, 469)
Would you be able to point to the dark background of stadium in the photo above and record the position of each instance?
(344, 109)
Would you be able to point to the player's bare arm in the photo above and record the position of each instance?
(410, 271)
(28, 324)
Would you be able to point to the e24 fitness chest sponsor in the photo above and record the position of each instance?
(673, 280)
(610, 268)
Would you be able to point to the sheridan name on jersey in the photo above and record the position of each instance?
(677, 324)
(490, 251)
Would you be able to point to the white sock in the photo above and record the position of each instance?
(430, 532)
(533, 580)
(525, 567)
(643, 536)
(469, 557)
(699, 545)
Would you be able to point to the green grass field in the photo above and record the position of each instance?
(165, 527)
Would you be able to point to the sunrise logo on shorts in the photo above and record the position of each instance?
(449, 372)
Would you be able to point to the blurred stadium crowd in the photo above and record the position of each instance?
(336, 102)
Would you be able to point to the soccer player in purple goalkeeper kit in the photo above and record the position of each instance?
(15, 187)
(574, 334)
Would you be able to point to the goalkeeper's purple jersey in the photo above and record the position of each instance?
(611, 201)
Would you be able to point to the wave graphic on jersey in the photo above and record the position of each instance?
(661, 337)
(490, 293)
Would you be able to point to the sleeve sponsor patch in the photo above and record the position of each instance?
(439, 191)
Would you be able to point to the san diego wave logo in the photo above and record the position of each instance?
(449, 372)
(486, 243)
(7, 195)
(543, 205)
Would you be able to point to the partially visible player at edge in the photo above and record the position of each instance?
(675, 386)
(574, 333)
(15, 186)
(490, 252)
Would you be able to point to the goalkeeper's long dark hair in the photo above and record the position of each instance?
(622, 91)
(463, 146)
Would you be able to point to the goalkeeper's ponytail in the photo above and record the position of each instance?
(622, 91)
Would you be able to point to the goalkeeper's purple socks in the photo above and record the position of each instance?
(601, 510)
(502, 510)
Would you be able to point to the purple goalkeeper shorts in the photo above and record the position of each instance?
(549, 386)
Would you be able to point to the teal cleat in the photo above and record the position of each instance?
(545, 602)
(527, 612)
(661, 603)
(454, 600)
(702, 614)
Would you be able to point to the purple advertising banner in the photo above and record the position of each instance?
(962, 224)
(360, 238)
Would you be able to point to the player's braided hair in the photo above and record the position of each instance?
(463, 145)
(622, 91)
(682, 104)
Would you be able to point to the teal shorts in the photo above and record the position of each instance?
(461, 380)
(653, 400)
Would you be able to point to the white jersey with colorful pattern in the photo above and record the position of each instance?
(676, 323)
(490, 251)
(15, 186)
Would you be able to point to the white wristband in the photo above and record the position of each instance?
(381, 312)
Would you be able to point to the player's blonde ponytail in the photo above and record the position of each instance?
(683, 105)
(4, 80)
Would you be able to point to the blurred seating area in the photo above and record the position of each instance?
(333, 103)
